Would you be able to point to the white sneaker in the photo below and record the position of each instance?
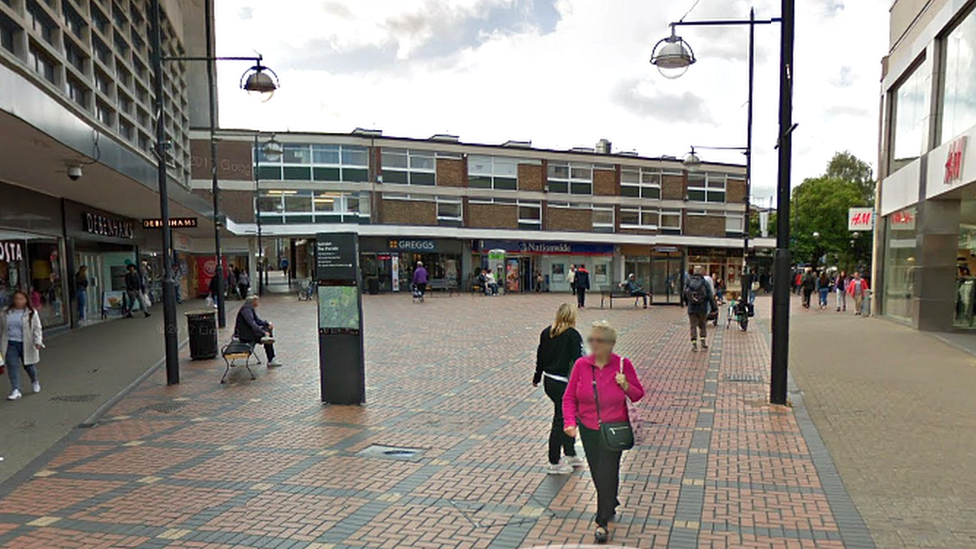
(36, 387)
(14, 395)
(560, 469)
(274, 364)
(573, 461)
(266, 340)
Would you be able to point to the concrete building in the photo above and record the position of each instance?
(463, 207)
(926, 230)
(76, 100)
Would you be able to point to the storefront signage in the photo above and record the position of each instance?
(860, 219)
(335, 256)
(106, 226)
(11, 251)
(412, 245)
(547, 248)
(903, 220)
(174, 223)
(953, 165)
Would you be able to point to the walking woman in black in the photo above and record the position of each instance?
(560, 345)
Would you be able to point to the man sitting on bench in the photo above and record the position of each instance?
(250, 328)
(634, 289)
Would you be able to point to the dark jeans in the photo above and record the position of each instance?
(559, 442)
(605, 471)
(581, 297)
(421, 289)
(806, 297)
(242, 290)
(640, 293)
(268, 348)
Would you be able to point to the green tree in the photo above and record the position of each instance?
(847, 167)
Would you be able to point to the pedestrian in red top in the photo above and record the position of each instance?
(610, 379)
(856, 288)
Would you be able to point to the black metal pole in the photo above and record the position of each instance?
(169, 290)
(257, 212)
(746, 283)
(214, 186)
(781, 281)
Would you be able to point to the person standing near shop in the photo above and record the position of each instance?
(560, 346)
(135, 288)
(840, 287)
(571, 278)
(81, 291)
(597, 394)
(420, 279)
(582, 284)
(856, 289)
(21, 339)
(244, 284)
(699, 297)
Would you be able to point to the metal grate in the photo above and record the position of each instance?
(86, 397)
(744, 378)
(165, 407)
(391, 452)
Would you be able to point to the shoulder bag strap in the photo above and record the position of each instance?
(596, 396)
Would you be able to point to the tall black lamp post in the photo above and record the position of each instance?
(272, 150)
(258, 80)
(673, 56)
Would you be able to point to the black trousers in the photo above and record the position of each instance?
(268, 349)
(806, 297)
(642, 294)
(581, 297)
(605, 471)
(559, 442)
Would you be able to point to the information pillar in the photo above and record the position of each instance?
(342, 369)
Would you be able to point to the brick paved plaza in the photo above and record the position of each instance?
(263, 464)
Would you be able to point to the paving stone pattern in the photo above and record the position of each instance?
(263, 464)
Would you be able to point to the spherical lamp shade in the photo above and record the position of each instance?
(672, 56)
(260, 82)
(272, 151)
(692, 162)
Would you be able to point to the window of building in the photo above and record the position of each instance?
(641, 183)
(118, 15)
(530, 216)
(409, 167)
(305, 206)
(102, 52)
(449, 212)
(900, 264)
(491, 172)
(671, 221)
(104, 113)
(959, 79)
(8, 34)
(99, 19)
(640, 218)
(706, 187)
(74, 55)
(40, 22)
(42, 64)
(909, 107)
(568, 178)
(126, 129)
(77, 92)
(121, 46)
(734, 224)
(104, 84)
(603, 219)
(73, 22)
(305, 162)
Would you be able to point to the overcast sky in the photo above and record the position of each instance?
(561, 73)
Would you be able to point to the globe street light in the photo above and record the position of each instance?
(672, 56)
(260, 81)
(692, 161)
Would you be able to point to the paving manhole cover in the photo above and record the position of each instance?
(391, 452)
(87, 397)
(744, 378)
(165, 407)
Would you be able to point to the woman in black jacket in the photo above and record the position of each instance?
(560, 345)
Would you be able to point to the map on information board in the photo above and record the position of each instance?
(339, 307)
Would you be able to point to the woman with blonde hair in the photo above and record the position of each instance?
(595, 404)
(560, 345)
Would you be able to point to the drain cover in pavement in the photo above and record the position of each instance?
(744, 378)
(164, 407)
(87, 397)
(391, 452)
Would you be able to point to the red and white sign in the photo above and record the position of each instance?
(953, 165)
(860, 219)
(903, 220)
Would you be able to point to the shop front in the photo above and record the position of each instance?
(723, 264)
(518, 263)
(387, 263)
(658, 269)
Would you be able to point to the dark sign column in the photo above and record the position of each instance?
(341, 357)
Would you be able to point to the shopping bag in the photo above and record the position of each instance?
(145, 296)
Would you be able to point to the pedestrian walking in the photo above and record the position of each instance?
(540, 282)
(21, 339)
(808, 283)
(252, 329)
(699, 297)
(823, 289)
(571, 278)
(135, 290)
(560, 346)
(178, 283)
(244, 284)
(81, 291)
(582, 280)
(840, 289)
(595, 406)
(856, 289)
(420, 279)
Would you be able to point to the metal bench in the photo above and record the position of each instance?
(610, 295)
(238, 350)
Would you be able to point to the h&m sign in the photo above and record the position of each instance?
(860, 219)
(953, 165)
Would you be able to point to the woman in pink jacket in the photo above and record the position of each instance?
(613, 380)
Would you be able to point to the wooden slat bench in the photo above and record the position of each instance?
(238, 350)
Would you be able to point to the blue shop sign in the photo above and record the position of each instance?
(550, 248)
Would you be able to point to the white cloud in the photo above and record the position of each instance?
(563, 74)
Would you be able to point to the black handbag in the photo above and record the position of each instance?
(616, 436)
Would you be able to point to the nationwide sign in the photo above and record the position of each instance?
(860, 219)
(174, 223)
(953, 165)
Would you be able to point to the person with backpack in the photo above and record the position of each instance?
(560, 346)
(582, 284)
(699, 297)
(809, 284)
(21, 339)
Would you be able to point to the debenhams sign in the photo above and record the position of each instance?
(106, 226)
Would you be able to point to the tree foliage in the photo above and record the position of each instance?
(847, 167)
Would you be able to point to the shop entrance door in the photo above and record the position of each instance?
(667, 280)
(93, 310)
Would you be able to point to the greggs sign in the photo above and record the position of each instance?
(953, 165)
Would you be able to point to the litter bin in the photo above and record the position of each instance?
(373, 285)
(202, 329)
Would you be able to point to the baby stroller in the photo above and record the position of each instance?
(712, 317)
(418, 296)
